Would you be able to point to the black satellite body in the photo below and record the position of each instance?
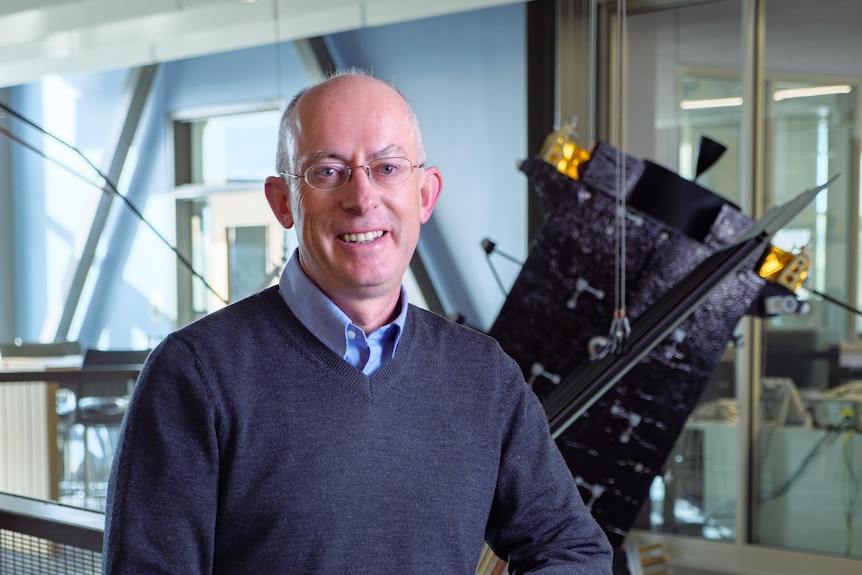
(565, 296)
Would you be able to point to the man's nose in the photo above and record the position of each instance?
(365, 169)
(363, 191)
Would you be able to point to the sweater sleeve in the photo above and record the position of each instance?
(162, 497)
(538, 521)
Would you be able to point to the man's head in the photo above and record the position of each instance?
(285, 162)
(356, 241)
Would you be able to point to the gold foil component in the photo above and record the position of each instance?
(785, 268)
(562, 152)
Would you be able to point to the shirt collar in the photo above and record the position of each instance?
(323, 318)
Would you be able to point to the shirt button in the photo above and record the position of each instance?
(351, 334)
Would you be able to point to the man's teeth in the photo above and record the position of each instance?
(362, 237)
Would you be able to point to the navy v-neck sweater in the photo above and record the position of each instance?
(250, 447)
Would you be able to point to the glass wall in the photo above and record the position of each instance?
(61, 145)
(686, 64)
(805, 483)
(787, 390)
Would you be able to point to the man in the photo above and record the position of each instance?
(326, 426)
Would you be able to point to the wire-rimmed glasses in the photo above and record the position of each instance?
(328, 176)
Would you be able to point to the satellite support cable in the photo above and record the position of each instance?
(620, 326)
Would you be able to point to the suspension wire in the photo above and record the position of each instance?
(621, 166)
(620, 327)
(107, 187)
(838, 302)
(279, 98)
(277, 32)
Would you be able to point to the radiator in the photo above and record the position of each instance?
(29, 458)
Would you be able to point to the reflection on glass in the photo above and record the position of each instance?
(710, 106)
(697, 493)
(696, 92)
(809, 489)
(807, 471)
(806, 481)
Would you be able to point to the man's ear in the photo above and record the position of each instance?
(432, 185)
(278, 196)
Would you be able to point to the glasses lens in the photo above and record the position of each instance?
(327, 176)
(384, 171)
(390, 171)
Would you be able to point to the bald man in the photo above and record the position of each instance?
(327, 426)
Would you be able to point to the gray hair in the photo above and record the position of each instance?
(284, 158)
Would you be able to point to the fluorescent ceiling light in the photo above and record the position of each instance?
(710, 103)
(807, 92)
(777, 96)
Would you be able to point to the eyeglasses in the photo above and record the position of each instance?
(330, 176)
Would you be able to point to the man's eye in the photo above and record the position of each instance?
(386, 170)
(325, 172)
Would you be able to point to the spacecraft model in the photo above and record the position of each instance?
(627, 300)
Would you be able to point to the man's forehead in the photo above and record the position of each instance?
(369, 137)
(353, 117)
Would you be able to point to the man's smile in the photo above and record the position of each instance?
(362, 237)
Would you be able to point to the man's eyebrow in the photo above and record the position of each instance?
(389, 151)
(325, 155)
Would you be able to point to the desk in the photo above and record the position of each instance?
(29, 452)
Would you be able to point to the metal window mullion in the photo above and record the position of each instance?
(136, 96)
(751, 183)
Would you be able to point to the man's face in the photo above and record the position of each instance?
(356, 242)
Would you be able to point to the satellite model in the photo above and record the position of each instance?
(627, 300)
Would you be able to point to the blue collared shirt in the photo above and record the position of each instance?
(329, 324)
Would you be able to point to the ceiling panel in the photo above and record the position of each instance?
(16, 6)
(39, 37)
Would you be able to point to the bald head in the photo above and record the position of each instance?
(326, 98)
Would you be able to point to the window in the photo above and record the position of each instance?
(224, 225)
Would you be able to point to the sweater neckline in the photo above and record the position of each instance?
(341, 370)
